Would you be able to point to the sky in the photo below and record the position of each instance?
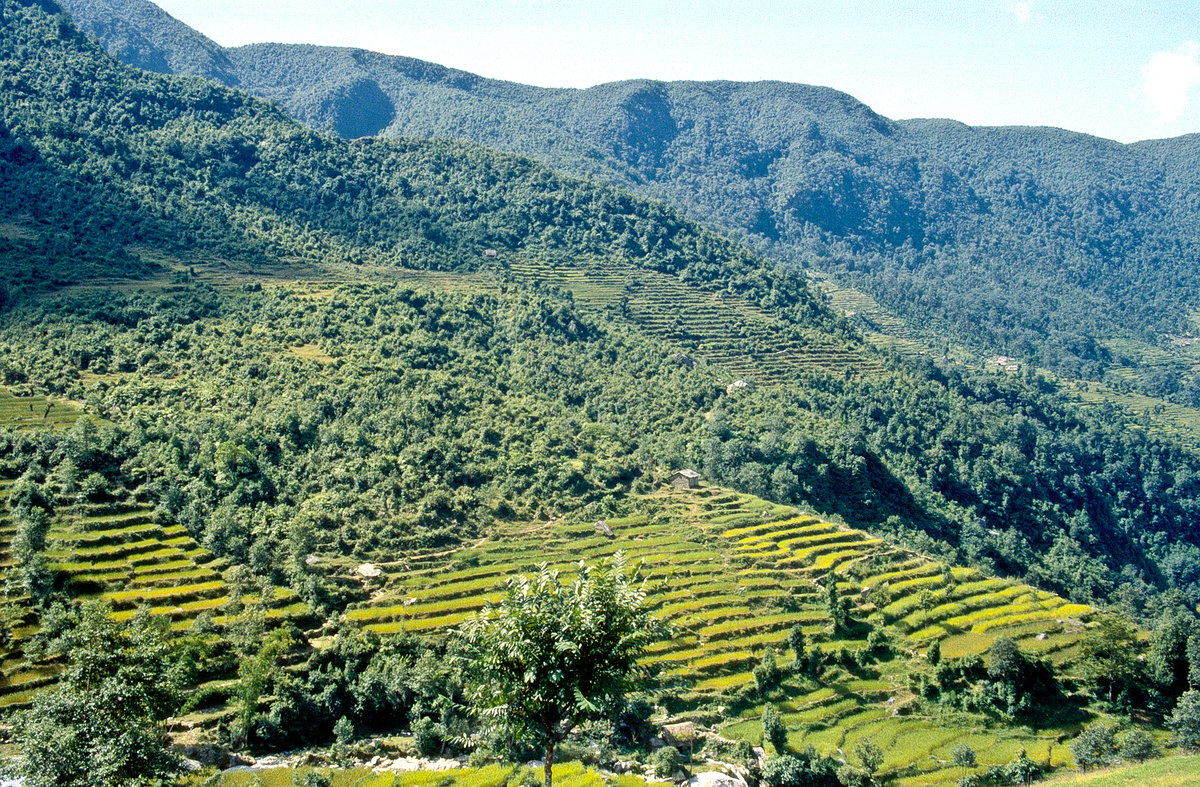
(1122, 70)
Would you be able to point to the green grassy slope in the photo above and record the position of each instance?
(1180, 771)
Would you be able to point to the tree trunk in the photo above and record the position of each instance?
(548, 763)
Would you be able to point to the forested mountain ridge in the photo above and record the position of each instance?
(1038, 243)
(207, 159)
(145, 36)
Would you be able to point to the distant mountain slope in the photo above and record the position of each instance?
(143, 35)
(1040, 243)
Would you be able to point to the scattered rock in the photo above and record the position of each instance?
(603, 528)
(239, 761)
(368, 570)
(714, 779)
(683, 360)
(311, 560)
(272, 761)
(207, 754)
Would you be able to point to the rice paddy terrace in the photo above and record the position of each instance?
(118, 552)
(115, 549)
(733, 574)
(23, 411)
(719, 327)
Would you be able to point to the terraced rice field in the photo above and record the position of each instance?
(719, 327)
(35, 411)
(733, 574)
(118, 552)
(880, 327)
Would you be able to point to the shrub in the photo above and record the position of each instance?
(879, 643)
(665, 761)
(1021, 770)
(343, 731)
(311, 779)
(963, 756)
(425, 736)
(1137, 745)
(849, 776)
(870, 755)
(774, 730)
(1095, 747)
(807, 769)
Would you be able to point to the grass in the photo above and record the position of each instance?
(1178, 771)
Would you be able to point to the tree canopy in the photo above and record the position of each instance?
(553, 653)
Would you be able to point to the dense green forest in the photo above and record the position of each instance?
(1037, 243)
(102, 158)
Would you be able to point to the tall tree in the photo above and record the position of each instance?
(101, 724)
(551, 655)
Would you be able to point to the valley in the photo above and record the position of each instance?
(288, 419)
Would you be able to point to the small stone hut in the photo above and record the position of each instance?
(685, 479)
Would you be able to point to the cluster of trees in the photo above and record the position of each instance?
(1003, 682)
(997, 472)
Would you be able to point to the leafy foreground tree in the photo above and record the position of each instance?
(552, 655)
(100, 725)
(806, 769)
(1095, 747)
(1185, 721)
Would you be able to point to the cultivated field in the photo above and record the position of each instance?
(116, 549)
(733, 574)
(565, 775)
(718, 327)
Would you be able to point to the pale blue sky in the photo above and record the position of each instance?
(1124, 70)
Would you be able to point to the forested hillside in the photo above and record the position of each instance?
(1050, 246)
(239, 359)
(104, 162)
